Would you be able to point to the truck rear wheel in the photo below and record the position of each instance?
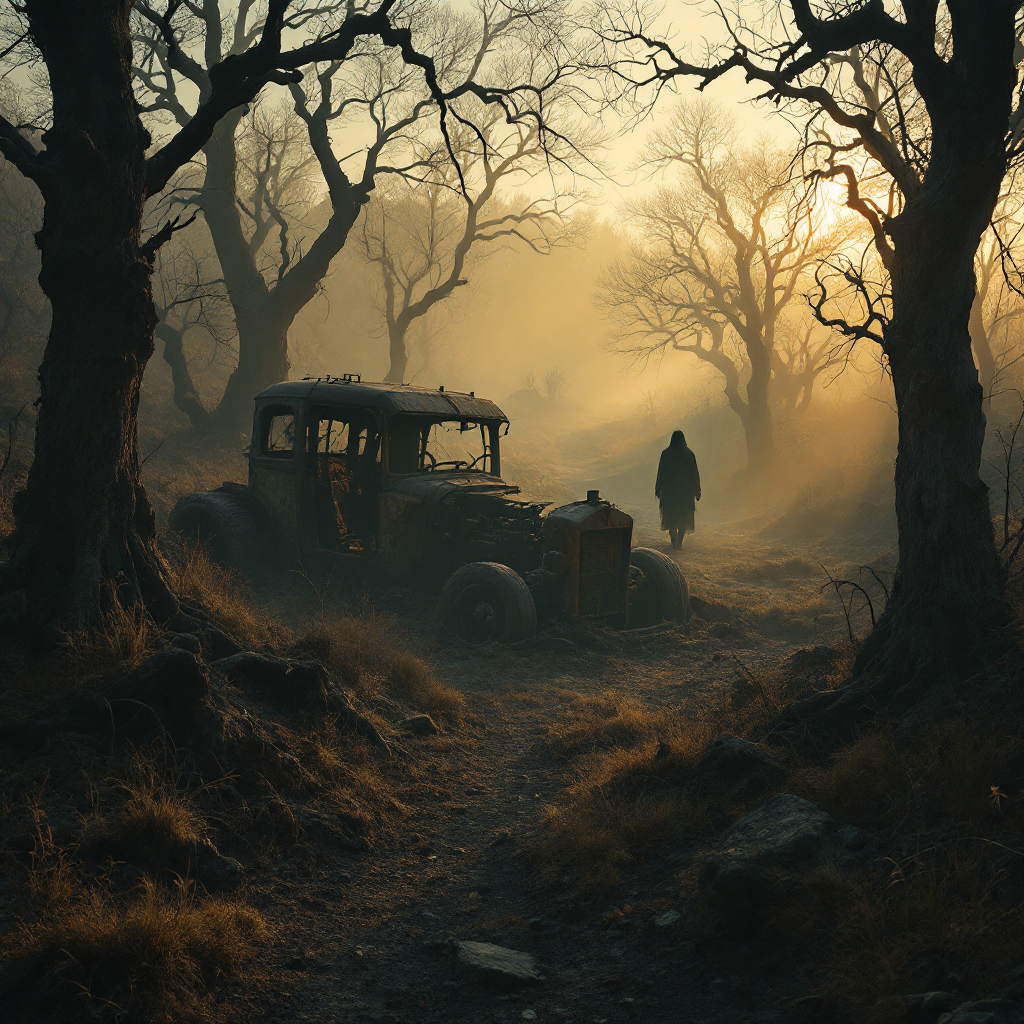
(486, 601)
(221, 523)
(662, 595)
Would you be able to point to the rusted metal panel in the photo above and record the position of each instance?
(391, 398)
(273, 485)
(595, 536)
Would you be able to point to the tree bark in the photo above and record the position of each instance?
(84, 529)
(262, 361)
(947, 602)
(982, 350)
(186, 398)
(398, 355)
(757, 424)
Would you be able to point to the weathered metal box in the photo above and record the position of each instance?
(595, 537)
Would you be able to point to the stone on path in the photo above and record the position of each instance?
(497, 966)
(667, 919)
(420, 725)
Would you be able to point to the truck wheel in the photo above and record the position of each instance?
(486, 601)
(221, 524)
(662, 595)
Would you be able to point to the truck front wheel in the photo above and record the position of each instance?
(486, 601)
(661, 594)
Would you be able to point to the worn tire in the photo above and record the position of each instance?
(667, 596)
(222, 524)
(486, 601)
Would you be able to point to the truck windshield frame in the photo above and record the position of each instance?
(442, 444)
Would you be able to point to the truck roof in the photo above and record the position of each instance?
(392, 398)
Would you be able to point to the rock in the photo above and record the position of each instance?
(667, 919)
(497, 966)
(786, 835)
(420, 725)
(215, 870)
(925, 1007)
(166, 692)
(786, 830)
(298, 683)
(186, 642)
(985, 1011)
(731, 759)
(217, 643)
(529, 1015)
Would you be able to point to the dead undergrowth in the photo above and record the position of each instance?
(126, 840)
(941, 904)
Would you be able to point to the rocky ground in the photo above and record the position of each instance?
(377, 935)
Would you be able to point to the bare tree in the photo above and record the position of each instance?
(997, 307)
(421, 233)
(803, 352)
(271, 266)
(190, 300)
(722, 256)
(84, 528)
(913, 107)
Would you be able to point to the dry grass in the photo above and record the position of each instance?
(623, 800)
(127, 634)
(361, 653)
(225, 594)
(84, 948)
(942, 918)
(146, 955)
(156, 824)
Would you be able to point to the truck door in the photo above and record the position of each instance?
(273, 462)
(344, 472)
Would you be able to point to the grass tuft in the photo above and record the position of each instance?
(623, 800)
(147, 955)
(224, 594)
(362, 655)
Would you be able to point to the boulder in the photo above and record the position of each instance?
(298, 683)
(985, 1011)
(785, 837)
(497, 966)
(420, 725)
(166, 692)
(186, 641)
(927, 1007)
(731, 760)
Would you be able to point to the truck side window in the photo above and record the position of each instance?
(278, 432)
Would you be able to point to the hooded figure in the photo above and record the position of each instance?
(678, 487)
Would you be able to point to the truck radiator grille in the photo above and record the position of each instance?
(604, 565)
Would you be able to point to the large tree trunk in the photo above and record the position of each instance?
(85, 531)
(262, 361)
(264, 314)
(947, 601)
(757, 423)
(398, 354)
(948, 594)
(186, 398)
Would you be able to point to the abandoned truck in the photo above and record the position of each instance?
(411, 478)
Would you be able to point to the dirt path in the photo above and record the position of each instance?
(365, 936)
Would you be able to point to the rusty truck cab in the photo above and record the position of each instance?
(356, 467)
